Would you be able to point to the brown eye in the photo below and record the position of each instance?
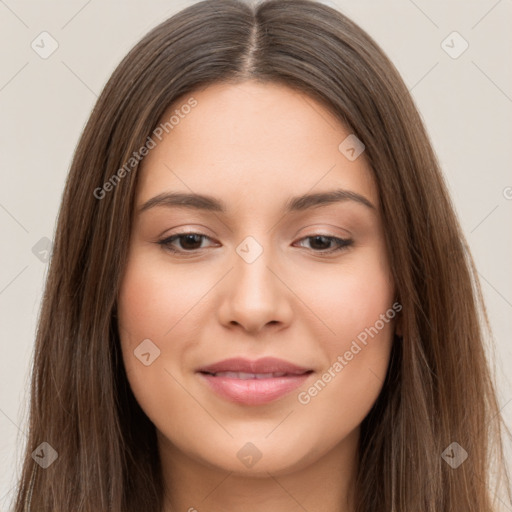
(323, 243)
(187, 242)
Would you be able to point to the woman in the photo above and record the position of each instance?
(259, 297)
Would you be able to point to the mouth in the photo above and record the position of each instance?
(253, 382)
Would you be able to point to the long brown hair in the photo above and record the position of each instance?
(438, 389)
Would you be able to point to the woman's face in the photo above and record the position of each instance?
(286, 260)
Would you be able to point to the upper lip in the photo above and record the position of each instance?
(263, 365)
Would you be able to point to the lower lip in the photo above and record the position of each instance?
(254, 391)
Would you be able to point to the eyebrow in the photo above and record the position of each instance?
(294, 204)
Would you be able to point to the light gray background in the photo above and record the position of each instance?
(466, 104)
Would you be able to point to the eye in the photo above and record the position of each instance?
(322, 243)
(189, 242)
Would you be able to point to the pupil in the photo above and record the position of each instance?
(320, 238)
(193, 239)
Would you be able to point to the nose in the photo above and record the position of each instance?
(255, 295)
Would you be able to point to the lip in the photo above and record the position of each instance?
(254, 389)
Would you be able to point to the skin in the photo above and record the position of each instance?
(254, 146)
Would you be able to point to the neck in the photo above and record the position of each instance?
(325, 483)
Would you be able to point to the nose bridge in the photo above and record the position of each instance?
(255, 296)
(253, 279)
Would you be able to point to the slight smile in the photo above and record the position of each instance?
(253, 382)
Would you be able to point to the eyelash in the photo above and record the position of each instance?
(342, 243)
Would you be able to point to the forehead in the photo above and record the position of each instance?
(252, 142)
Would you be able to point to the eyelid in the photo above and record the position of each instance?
(322, 226)
(165, 242)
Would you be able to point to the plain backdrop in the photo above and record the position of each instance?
(465, 101)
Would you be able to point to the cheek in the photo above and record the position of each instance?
(149, 305)
(154, 298)
(351, 298)
(152, 301)
(162, 303)
(358, 307)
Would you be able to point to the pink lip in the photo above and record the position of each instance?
(254, 391)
